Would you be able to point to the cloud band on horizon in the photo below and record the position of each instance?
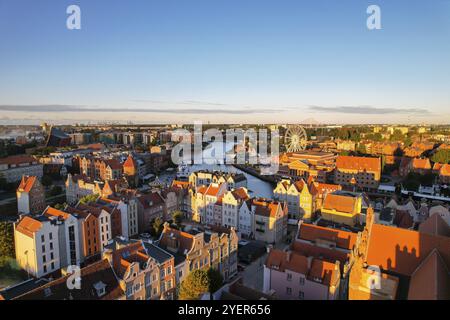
(369, 110)
(76, 108)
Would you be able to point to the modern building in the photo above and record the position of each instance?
(37, 245)
(13, 168)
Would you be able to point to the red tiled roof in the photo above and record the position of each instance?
(435, 225)
(343, 239)
(241, 194)
(20, 159)
(430, 281)
(321, 188)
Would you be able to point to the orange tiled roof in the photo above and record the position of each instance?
(180, 184)
(437, 166)
(358, 163)
(278, 260)
(29, 226)
(339, 203)
(402, 250)
(445, 170)
(421, 164)
(265, 208)
(322, 270)
(50, 211)
(27, 183)
(129, 163)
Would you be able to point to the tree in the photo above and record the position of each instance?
(157, 227)
(6, 240)
(56, 190)
(215, 280)
(89, 198)
(195, 284)
(46, 181)
(60, 206)
(441, 156)
(177, 217)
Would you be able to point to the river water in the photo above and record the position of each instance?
(256, 186)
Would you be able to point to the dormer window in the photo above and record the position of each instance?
(100, 289)
(47, 292)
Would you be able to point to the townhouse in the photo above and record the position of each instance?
(270, 219)
(204, 201)
(30, 195)
(196, 249)
(145, 272)
(293, 276)
(150, 207)
(231, 205)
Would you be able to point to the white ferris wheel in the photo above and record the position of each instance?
(295, 138)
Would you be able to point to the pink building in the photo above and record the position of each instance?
(293, 276)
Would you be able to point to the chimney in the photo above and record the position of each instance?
(288, 256)
(309, 260)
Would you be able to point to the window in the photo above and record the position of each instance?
(45, 269)
(137, 287)
(129, 291)
(42, 238)
(51, 245)
(52, 256)
(301, 295)
(169, 270)
(51, 236)
(289, 277)
(44, 259)
(302, 281)
(43, 248)
(288, 291)
(53, 266)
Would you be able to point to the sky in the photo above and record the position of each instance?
(225, 61)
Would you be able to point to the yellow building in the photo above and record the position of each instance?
(344, 209)
(297, 196)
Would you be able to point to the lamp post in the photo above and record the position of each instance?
(28, 270)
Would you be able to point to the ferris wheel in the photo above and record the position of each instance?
(295, 138)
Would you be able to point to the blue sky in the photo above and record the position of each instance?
(225, 61)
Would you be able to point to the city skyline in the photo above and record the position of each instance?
(225, 62)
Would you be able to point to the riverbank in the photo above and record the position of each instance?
(270, 179)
